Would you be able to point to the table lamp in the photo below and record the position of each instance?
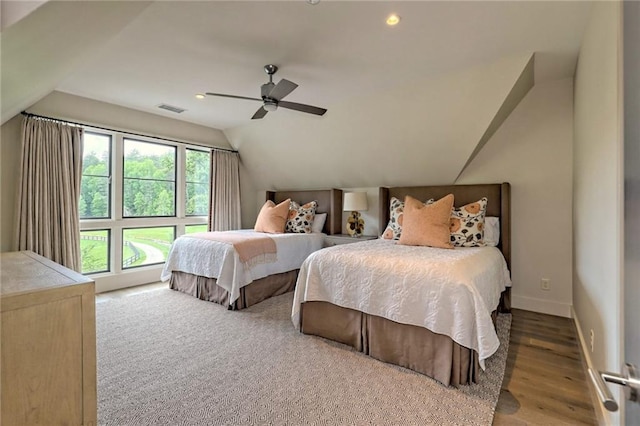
(355, 202)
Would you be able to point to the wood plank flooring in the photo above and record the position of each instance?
(544, 381)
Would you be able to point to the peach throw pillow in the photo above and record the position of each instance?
(427, 224)
(272, 218)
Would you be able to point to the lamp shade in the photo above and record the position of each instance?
(355, 201)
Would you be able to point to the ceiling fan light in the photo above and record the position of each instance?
(270, 106)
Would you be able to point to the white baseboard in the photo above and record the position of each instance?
(541, 305)
(130, 278)
(601, 413)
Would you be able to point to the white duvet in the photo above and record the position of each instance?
(219, 260)
(451, 292)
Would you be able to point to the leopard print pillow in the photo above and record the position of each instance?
(394, 227)
(301, 217)
(467, 224)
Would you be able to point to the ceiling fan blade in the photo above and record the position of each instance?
(233, 96)
(261, 112)
(282, 89)
(302, 107)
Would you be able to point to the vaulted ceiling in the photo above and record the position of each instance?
(436, 83)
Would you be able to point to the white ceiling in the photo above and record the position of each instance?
(335, 50)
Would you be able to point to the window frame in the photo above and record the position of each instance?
(127, 268)
(175, 178)
(193, 224)
(186, 182)
(109, 239)
(109, 177)
(116, 223)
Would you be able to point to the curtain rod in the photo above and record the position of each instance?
(29, 114)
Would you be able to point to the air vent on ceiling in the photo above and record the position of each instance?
(171, 108)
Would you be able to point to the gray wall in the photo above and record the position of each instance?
(597, 183)
(9, 168)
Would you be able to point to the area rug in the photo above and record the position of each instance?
(166, 358)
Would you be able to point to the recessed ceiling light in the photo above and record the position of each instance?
(393, 20)
(313, 2)
(200, 96)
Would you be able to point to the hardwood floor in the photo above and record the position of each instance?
(544, 382)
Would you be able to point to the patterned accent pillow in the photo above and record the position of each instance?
(301, 217)
(396, 213)
(467, 224)
(394, 228)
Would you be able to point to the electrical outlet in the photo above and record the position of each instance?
(545, 284)
(591, 338)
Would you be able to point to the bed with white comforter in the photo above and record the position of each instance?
(449, 292)
(219, 272)
(426, 309)
(220, 261)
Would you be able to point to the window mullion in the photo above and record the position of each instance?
(181, 186)
(117, 185)
(117, 181)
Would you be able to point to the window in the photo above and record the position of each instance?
(197, 176)
(149, 184)
(191, 229)
(95, 190)
(94, 250)
(146, 246)
(137, 195)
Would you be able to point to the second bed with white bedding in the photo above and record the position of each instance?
(219, 260)
(450, 292)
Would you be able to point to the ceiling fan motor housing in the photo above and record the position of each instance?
(266, 89)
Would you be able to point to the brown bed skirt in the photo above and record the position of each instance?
(409, 346)
(207, 288)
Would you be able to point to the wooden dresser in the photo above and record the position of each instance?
(48, 348)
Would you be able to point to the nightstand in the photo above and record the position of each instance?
(334, 240)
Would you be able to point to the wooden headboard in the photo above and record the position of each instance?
(498, 204)
(329, 201)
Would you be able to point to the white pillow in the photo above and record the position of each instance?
(491, 230)
(318, 222)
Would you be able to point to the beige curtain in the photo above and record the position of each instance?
(49, 190)
(224, 206)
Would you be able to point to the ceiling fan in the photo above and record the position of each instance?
(272, 95)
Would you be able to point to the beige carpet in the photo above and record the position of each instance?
(165, 358)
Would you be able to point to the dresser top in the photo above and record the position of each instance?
(25, 271)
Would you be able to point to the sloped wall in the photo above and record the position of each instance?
(533, 151)
(43, 48)
(76, 108)
(420, 132)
